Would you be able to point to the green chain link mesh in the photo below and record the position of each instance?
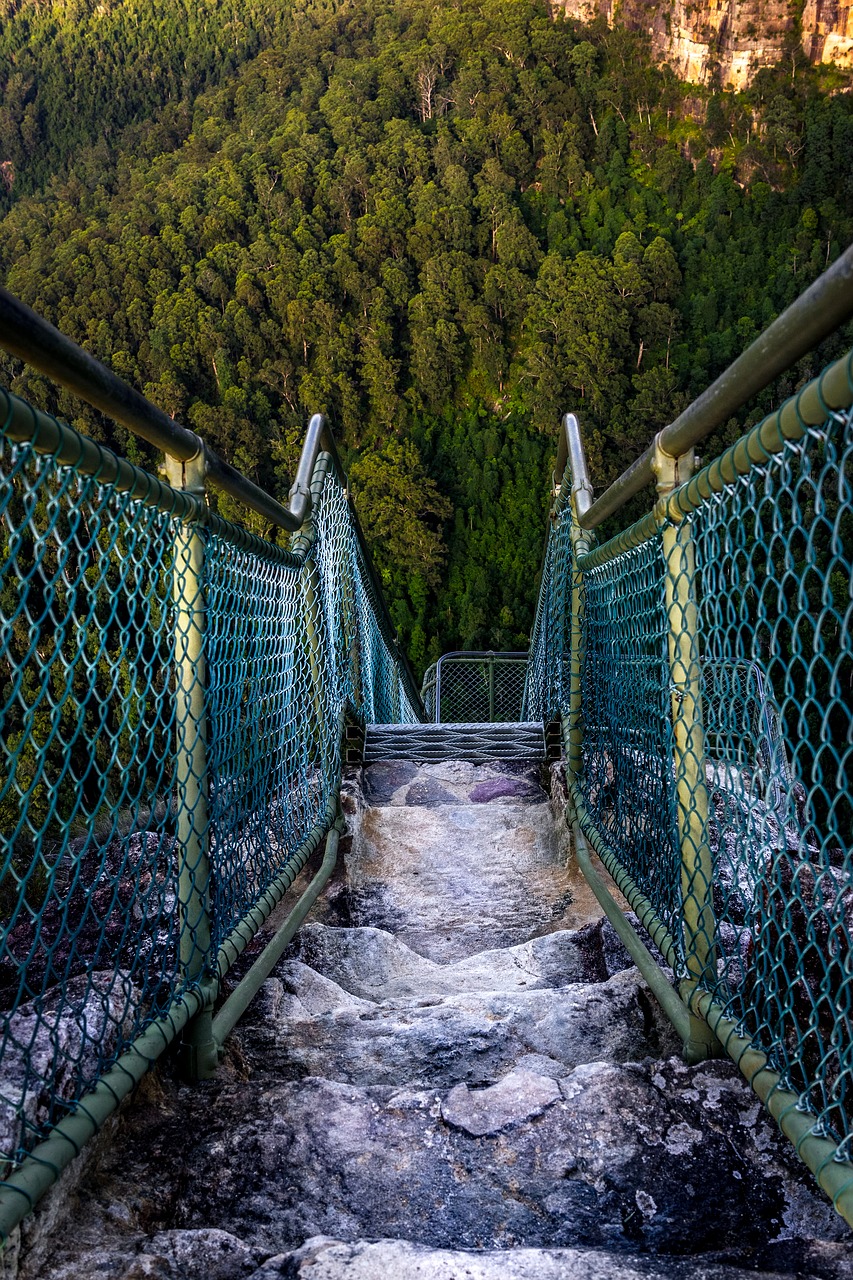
(93, 810)
(774, 570)
(627, 749)
(720, 730)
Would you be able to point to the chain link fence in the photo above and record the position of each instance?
(475, 688)
(707, 704)
(173, 692)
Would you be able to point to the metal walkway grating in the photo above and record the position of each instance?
(475, 742)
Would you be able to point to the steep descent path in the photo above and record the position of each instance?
(455, 1074)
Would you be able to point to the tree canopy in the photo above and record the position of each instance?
(442, 225)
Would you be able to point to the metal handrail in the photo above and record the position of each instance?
(570, 449)
(816, 314)
(31, 338)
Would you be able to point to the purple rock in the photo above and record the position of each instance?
(497, 788)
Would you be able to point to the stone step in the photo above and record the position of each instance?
(653, 1157)
(457, 1086)
(476, 742)
(376, 965)
(211, 1254)
(324, 1259)
(304, 1025)
(461, 878)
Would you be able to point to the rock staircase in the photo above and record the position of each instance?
(454, 1074)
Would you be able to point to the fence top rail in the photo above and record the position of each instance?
(473, 655)
(514, 655)
(32, 339)
(817, 312)
(21, 423)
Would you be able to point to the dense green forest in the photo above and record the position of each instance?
(442, 224)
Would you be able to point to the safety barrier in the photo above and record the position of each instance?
(471, 687)
(174, 695)
(701, 665)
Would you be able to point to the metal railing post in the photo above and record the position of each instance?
(691, 790)
(491, 662)
(198, 1049)
(571, 450)
(574, 754)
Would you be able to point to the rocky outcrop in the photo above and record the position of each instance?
(828, 31)
(736, 38)
(409, 1101)
(456, 858)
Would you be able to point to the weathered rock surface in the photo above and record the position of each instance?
(65, 1038)
(446, 1099)
(827, 28)
(323, 1259)
(454, 879)
(372, 963)
(617, 1157)
(96, 897)
(305, 1025)
(482, 1112)
(216, 1255)
(697, 37)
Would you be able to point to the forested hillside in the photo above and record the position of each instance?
(76, 72)
(443, 225)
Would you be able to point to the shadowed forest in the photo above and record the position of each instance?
(441, 224)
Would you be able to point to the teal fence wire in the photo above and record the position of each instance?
(712, 734)
(121, 748)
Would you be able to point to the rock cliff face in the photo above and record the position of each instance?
(737, 36)
(828, 31)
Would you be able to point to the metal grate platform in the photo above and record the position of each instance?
(474, 742)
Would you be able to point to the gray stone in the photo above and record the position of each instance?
(456, 880)
(628, 1157)
(94, 888)
(372, 963)
(429, 793)
(209, 1254)
(324, 1259)
(63, 1037)
(304, 1025)
(205, 1254)
(518, 1097)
